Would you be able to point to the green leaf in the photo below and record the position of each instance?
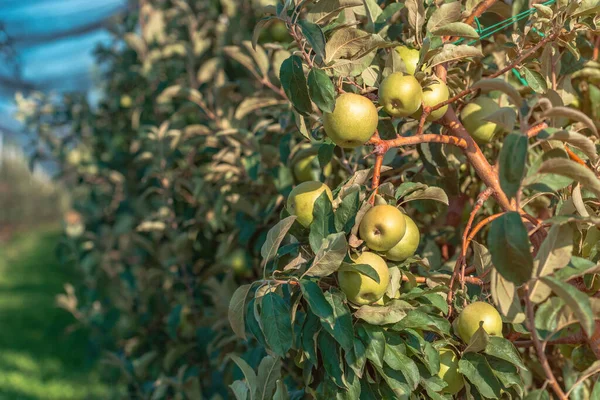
(374, 341)
(346, 212)
(248, 372)
(258, 28)
(502, 86)
(252, 324)
(240, 390)
(315, 37)
(324, 11)
(339, 325)
(576, 300)
(330, 255)
(459, 29)
(535, 80)
(357, 357)
(281, 393)
(430, 193)
(269, 371)
(390, 313)
(478, 341)
(396, 381)
(416, 319)
(275, 237)
(451, 52)
(513, 158)
(363, 269)
(577, 267)
(504, 349)
(316, 300)
(546, 316)
(373, 13)
(509, 246)
(554, 254)
(323, 223)
(504, 116)
(573, 170)
(387, 13)
(276, 323)
(573, 114)
(325, 154)
(331, 359)
(416, 15)
(353, 44)
(398, 361)
(446, 14)
(539, 394)
(478, 371)
(293, 82)
(310, 330)
(237, 308)
(506, 298)
(578, 140)
(482, 260)
(321, 90)
(507, 375)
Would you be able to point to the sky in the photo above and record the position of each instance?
(51, 44)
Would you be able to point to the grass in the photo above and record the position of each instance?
(38, 359)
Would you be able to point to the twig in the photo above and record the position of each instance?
(376, 176)
(540, 349)
(479, 10)
(535, 129)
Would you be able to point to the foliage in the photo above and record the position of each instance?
(188, 160)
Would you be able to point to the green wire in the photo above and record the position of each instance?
(501, 26)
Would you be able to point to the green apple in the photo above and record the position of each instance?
(303, 165)
(302, 199)
(359, 288)
(409, 243)
(449, 371)
(410, 57)
(279, 32)
(400, 94)
(238, 261)
(382, 227)
(473, 314)
(126, 101)
(473, 118)
(352, 122)
(433, 95)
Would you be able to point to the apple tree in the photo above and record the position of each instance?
(455, 253)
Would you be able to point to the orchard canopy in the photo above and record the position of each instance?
(339, 199)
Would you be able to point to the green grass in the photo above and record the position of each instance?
(39, 360)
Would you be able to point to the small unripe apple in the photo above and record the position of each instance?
(449, 371)
(126, 101)
(238, 261)
(352, 122)
(400, 94)
(473, 118)
(279, 32)
(473, 314)
(302, 199)
(433, 95)
(410, 57)
(382, 227)
(409, 243)
(359, 288)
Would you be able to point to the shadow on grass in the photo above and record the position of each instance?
(38, 359)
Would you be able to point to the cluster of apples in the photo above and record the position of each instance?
(355, 118)
(391, 235)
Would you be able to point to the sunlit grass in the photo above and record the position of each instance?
(39, 360)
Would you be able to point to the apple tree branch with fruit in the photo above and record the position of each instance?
(459, 255)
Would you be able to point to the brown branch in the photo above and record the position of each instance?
(476, 158)
(594, 340)
(535, 129)
(576, 338)
(382, 146)
(421, 279)
(539, 348)
(596, 52)
(479, 10)
(376, 176)
(496, 74)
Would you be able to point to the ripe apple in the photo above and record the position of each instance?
(352, 122)
(433, 95)
(410, 57)
(303, 165)
(400, 94)
(359, 288)
(409, 243)
(382, 227)
(449, 371)
(473, 115)
(302, 199)
(469, 318)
